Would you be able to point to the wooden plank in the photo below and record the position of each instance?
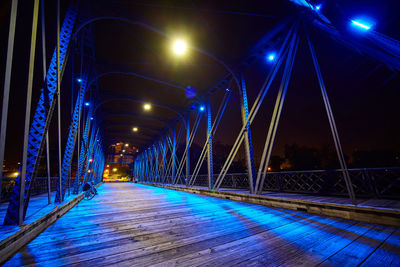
(112, 251)
(385, 216)
(139, 225)
(360, 248)
(244, 248)
(388, 254)
(288, 245)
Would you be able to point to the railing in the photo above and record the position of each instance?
(38, 187)
(367, 182)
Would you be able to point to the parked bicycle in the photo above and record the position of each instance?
(90, 191)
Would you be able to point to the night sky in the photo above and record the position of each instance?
(364, 93)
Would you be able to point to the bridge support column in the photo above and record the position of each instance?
(164, 157)
(269, 142)
(70, 146)
(332, 124)
(147, 171)
(173, 155)
(187, 150)
(140, 170)
(251, 169)
(209, 148)
(156, 158)
(7, 82)
(82, 155)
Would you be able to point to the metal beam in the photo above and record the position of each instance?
(210, 171)
(248, 143)
(7, 82)
(333, 127)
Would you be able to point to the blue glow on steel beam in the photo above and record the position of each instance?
(363, 25)
(40, 122)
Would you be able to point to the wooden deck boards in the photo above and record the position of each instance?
(137, 225)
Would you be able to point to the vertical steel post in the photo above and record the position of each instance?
(7, 82)
(251, 169)
(142, 166)
(155, 156)
(332, 124)
(40, 122)
(28, 112)
(137, 169)
(210, 170)
(146, 171)
(173, 154)
(58, 90)
(44, 79)
(150, 165)
(187, 150)
(280, 99)
(157, 150)
(151, 151)
(164, 160)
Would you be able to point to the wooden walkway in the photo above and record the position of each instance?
(138, 225)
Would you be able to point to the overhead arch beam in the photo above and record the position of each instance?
(135, 74)
(155, 30)
(138, 116)
(130, 99)
(131, 133)
(110, 125)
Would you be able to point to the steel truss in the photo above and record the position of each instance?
(91, 158)
(255, 180)
(41, 120)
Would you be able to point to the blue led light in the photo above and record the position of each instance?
(361, 24)
(202, 108)
(318, 7)
(91, 118)
(79, 80)
(87, 104)
(271, 57)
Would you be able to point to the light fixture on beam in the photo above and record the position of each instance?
(180, 47)
(147, 106)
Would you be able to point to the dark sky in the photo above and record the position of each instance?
(364, 93)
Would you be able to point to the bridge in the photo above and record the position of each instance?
(186, 125)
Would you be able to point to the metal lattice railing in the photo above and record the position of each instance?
(39, 186)
(371, 182)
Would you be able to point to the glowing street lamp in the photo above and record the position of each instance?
(135, 129)
(147, 107)
(179, 47)
(126, 144)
